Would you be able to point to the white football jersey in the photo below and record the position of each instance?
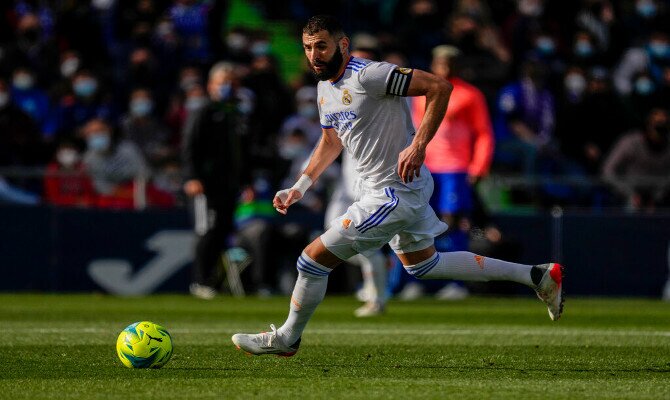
(372, 119)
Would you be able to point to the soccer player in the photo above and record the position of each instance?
(362, 109)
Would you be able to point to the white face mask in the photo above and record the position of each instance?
(575, 83)
(4, 99)
(69, 67)
(67, 157)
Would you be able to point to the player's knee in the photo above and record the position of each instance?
(318, 252)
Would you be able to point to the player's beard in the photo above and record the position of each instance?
(332, 66)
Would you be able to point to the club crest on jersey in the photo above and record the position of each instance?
(404, 71)
(346, 97)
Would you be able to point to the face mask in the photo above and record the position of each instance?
(659, 49)
(103, 4)
(289, 151)
(260, 48)
(583, 48)
(98, 141)
(236, 41)
(69, 67)
(530, 8)
(646, 8)
(225, 91)
(4, 99)
(308, 111)
(575, 83)
(67, 157)
(85, 87)
(141, 107)
(545, 45)
(195, 103)
(23, 82)
(644, 86)
(188, 82)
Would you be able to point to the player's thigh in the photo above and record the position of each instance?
(420, 234)
(366, 226)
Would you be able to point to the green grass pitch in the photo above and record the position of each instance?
(63, 346)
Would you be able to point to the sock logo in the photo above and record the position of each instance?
(480, 261)
(297, 305)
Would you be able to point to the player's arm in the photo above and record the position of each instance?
(328, 149)
(437, 92)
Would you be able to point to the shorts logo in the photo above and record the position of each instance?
(346, 223)
(480, 261)
(346, 97)
(322, 101)
(404, 71)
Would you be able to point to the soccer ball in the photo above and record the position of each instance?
(144, 345)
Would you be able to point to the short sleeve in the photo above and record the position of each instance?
(325, 124)
(382, 78)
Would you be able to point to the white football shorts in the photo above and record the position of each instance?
(395, 215)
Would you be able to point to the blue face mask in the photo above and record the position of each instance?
(98, 141)
(545, 45)
(260, 48)
(659, 49)
(85, 87)
(583, 48)
(225, 91)
(141, 107)
(23, 82)
(644, 86)
(647, 9)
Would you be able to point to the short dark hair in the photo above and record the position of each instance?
(327, 23)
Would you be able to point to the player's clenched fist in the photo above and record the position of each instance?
(284, 198)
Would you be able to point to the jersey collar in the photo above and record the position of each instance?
(344, 69)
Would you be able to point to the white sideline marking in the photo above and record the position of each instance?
(380, 332)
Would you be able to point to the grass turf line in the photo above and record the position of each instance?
(62, 346)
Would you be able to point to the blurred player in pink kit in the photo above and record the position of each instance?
(458, 156)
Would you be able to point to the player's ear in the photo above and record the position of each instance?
(344, 44)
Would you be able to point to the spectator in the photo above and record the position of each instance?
(144, 130)
(66, 182)
(214, 169)
(20, 143)
(30, 49)
(590, 121)
(87, 102)
(651, 58)
(190, 20)
(638, 165)
(33, 101)
(306, 119)
(484, 60)
(113, 164)
(525, 120)
(272, 104)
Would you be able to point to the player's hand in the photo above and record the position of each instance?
(193, 187)
(284, 198)
(410, 161)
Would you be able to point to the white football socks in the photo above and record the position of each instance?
(309, 291)
(466, 266)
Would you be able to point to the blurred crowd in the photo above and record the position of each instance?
(97, 95)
